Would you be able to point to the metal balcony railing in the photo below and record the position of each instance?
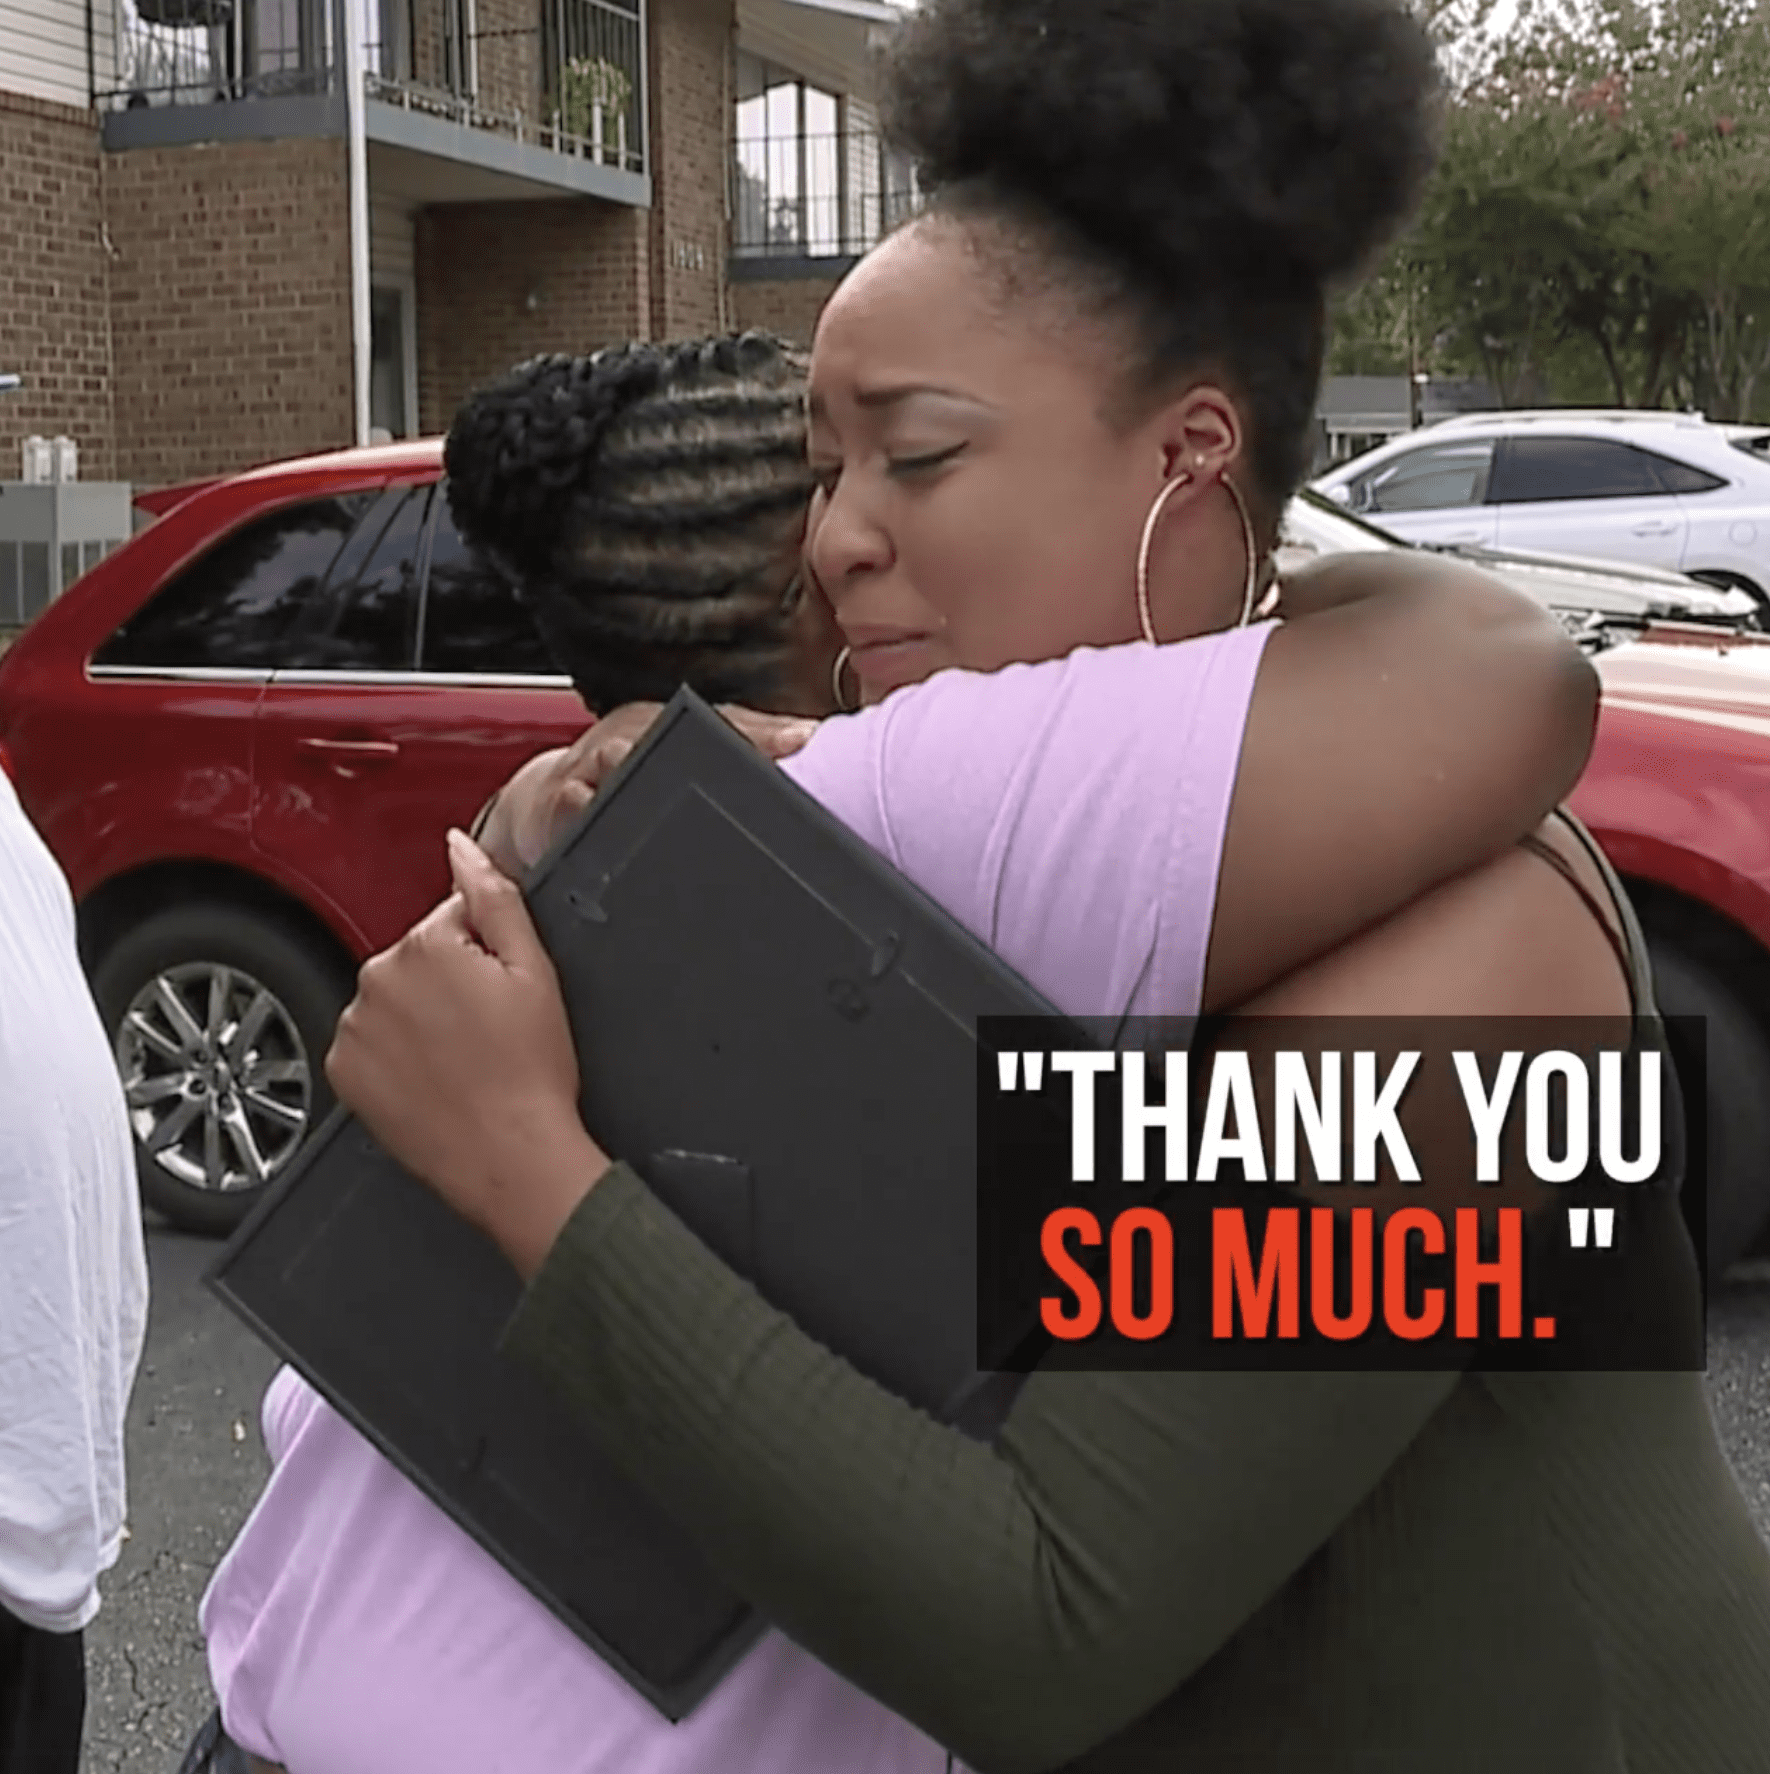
(812, 196)
(567, 75)
(195, 52)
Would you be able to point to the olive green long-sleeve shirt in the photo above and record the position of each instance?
(1195, 1572)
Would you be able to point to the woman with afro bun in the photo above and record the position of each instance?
(1054, 420)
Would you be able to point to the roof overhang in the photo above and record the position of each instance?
(878, 12)
(828, 41)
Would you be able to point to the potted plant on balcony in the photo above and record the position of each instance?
(592, 94)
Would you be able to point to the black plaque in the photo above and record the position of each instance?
(778, 1031)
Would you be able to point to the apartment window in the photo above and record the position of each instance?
(284, 38)
(813, 178)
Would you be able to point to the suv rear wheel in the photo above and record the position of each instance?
(219, 1018)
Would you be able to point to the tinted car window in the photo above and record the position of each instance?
(1439, 477)
(1680, 477)
(356, 551)
(1533, 470)
(234, 606)
(370, 618)
(472, 619)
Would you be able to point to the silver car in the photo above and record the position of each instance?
(1647, 488)
(1578, 589)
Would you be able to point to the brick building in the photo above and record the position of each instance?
(177, 293)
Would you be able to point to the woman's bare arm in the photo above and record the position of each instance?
(1413, 718)
(1509, 939)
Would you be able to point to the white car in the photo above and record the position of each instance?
(1665, 490)
(1577, 588)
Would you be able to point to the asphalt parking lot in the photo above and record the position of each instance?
(196, 1462)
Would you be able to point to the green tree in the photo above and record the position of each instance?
(1374, 330)
(1601, 210)
(1701, 102)
(1711, 224)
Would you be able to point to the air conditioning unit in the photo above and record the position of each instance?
(51, 533)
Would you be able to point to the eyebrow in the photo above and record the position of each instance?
(878, 399)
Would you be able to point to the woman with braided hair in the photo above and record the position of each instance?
(649, 501)
(352, 1625)
(1054, 420)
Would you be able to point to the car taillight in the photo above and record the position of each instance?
(6, 762)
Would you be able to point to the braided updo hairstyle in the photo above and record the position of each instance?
(641, 500)
(1200, 171)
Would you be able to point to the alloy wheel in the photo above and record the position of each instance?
(218, 1082)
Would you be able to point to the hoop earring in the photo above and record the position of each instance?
(842, 706)
(1144, 621)
(1249, 546)
(1253, 552)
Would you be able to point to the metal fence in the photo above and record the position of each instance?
(568, 75)
(816, 194)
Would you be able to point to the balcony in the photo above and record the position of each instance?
(824, 197)
(572, 81)
(547, 91)
(814, 186)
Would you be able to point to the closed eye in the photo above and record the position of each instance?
(922, 464)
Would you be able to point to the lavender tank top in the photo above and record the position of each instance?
(1071, 814)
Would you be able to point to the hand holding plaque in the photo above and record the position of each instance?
(457, 1056)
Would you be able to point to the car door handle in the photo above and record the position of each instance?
(351, 748)
(1656, 529)
(349, 754)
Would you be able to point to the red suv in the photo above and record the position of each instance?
(244, 735)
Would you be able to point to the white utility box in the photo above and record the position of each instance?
(51, 533)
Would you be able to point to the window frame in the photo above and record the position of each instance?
(861, 219)
(403, 288)
(1716, 482)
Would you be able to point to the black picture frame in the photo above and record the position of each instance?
(758, 995)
